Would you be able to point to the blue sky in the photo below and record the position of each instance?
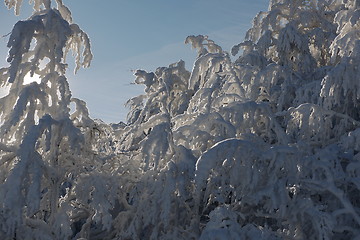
(132, 34)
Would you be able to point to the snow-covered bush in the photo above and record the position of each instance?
(263, 147)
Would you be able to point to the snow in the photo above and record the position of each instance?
(265, 146)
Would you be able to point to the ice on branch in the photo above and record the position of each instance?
(265, 146)
(203, 44)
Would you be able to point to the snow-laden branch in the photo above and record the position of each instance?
(263, 147)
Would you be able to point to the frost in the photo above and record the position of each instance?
(203, 44)
(265, 146)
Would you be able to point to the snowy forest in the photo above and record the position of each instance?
(262, 142)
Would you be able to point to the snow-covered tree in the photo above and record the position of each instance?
(267, 136)
(43, 147)
(262, 147)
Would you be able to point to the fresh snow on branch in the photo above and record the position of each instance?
(266, 146)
